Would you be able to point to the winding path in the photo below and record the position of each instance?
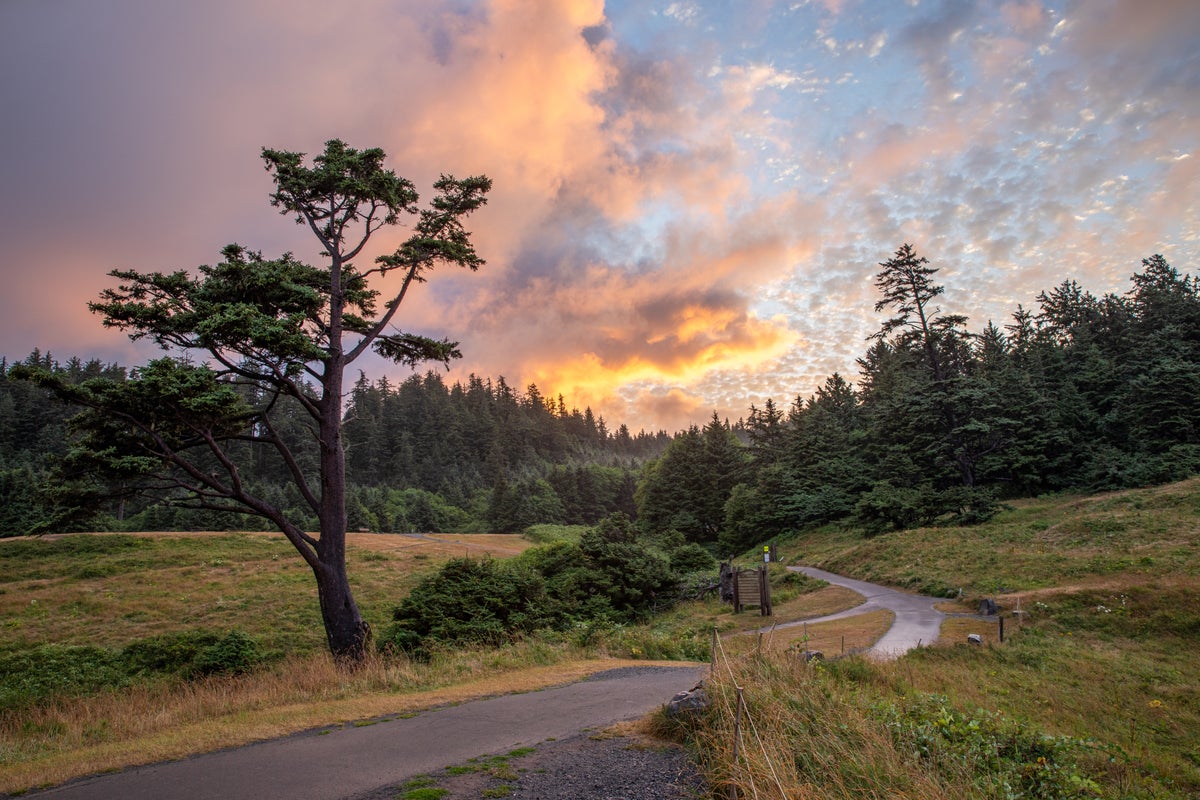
(917, 621)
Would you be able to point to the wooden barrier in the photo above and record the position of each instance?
(752, 587)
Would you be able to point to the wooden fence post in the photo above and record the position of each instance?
(737, 738)
(737, 593)
(712, 655)
(764, 590)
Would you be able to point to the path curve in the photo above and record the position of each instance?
(355, 760)
(917, 622)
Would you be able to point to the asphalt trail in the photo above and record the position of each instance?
(917, 621)
(350, 761)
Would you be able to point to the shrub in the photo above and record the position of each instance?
(167, 653)
(479, 601)
(691, 557)
(34, 675)
(608, 576)
(233, 654)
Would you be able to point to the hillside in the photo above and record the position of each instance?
(1093, 693)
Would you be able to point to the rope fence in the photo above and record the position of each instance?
(741, 764)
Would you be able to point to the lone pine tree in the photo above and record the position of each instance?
(272, 333)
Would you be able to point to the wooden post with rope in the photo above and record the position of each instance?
(737, 738)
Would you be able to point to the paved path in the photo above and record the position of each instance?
(353, 761)
(917, 621)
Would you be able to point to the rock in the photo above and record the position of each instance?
(988, 607)
(974, 638)
(812, 655)
(688, 702)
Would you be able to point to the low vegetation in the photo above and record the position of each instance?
(610, 576)
(1094, 694)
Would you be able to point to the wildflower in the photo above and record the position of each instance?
(1155, 703)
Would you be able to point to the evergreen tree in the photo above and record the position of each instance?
(273, 324)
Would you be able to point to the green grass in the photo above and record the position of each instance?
(548, 534)
(1037, 544)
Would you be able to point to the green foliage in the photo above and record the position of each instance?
(46, 671)
(686, 489)
(514, 507)
(887, 507)
(175, 652)
(232, 654)
(477, 601)
(35, 675)
(1006, 758)
(549, 534)
(786, 584)
(632, 578)
(691, 557)
(608, 576)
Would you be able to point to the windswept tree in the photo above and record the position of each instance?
(270, 334)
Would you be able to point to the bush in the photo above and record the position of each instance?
(169, 653)
(691, 557)
(609, 576)
(35, 675)
(477, 601)
(233, 654)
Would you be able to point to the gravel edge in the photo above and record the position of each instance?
(586, 766)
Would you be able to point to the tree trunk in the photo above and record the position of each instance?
(347, 632)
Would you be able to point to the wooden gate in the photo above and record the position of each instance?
(752, 587)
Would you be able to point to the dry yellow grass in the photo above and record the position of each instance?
(499, 545)
(224, 585)
(831, 638)
(828, 600)
(955, 630)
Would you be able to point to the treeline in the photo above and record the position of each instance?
(1084, 393)
(421, 455)
(1081, 393)
(33, 434)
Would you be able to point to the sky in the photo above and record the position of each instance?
(691, 199)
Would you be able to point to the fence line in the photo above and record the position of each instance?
(742, 708)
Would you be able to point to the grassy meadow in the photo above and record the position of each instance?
(1094, 693)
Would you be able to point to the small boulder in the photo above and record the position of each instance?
(974, 638)
(988, 607)
(812, 655)
(689, 702)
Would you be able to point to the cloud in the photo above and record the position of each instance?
(689, 200)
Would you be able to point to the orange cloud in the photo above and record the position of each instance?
(670, 411)
(513, 96)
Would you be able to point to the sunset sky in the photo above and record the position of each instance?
(691, 198)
